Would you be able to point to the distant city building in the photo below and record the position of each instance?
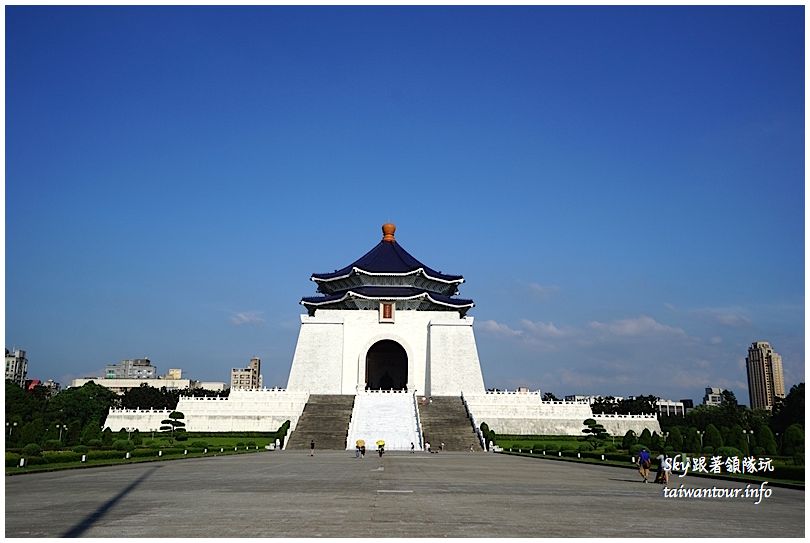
(713, 396)
(16, 366)
(688, 405)
(249, 377)
(138, 368)
(52, 386)
(174, 373)
(670, 407)
(766, 382)
(121, 386)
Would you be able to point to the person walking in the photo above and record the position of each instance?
(411, 447)
(644, 464)
(312, 448)
(664, 470)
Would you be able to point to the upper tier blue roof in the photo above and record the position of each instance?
(387, 257)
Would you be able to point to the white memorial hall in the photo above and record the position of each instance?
(386, 350)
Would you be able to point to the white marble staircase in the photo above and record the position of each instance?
(388, 415)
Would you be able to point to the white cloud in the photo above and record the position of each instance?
(640, 326)
(497, 328)
(543, 329)
(734, 317)
(542, 291)
(716, 340)
(247, 317)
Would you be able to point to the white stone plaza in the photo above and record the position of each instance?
(388, 330)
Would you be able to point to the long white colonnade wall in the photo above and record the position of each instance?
(526, 413)
(260, 410)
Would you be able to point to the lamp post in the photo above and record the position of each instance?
(701, 439)
(12, 425)
(61, 427)
(747, 438)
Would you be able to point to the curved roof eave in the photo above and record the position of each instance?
(414, 297)
(387, 274)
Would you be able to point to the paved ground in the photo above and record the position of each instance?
(423, 495)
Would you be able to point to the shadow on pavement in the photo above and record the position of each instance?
(87, 522)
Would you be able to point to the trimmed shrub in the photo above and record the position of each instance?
(104, 455)
(181, 437)
(708, 449)
(610, 448)
(728, 451)
(33, 460)
(199, 444)
(794, 473)
(52, 445)
(32, 449)
(240, 443)
(58, 457)
(81, 449)
(94, 443)
(12, 460)
(758, 451)
(251, 443)
(123, 445)
(553, 448)
(142, 453)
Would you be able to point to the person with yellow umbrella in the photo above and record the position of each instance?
(380, 447)
(359, 445)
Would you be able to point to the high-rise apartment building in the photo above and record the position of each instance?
(16, 366)
(138, 368)
(249, 377)
(766, 382)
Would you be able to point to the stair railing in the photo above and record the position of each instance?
(418, 422)
(476, 429)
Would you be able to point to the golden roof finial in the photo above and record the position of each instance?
(388, 232)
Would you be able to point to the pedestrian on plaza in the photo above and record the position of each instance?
(357, 451)
(312, 448)
(427, 446)
(441, 446)
(644, 463)
(471, 447)
(362, 451)
(664, 470)
(412, 447)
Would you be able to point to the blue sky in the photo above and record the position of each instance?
(622, 187)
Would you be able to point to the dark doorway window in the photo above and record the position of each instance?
(386, 366)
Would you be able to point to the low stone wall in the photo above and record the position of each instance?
(263, 410)
(525, 413)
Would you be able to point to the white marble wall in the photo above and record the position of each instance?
(527, 414)
(263, 410)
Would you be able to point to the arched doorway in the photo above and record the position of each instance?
(386, 366)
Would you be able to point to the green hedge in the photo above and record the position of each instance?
(57, 457)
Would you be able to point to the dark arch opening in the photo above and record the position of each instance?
(386, 366)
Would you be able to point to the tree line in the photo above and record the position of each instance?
(77, 415)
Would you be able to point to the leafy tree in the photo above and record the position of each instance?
(629, 440)
(645, 438)
(657, 442)
(737, 439)
(608, 404)
(90, 402)
(173, 424)
(675, 440)
(148, 397)
(787, 411)
(32, 432)
(712, 437)
(691, 441)
(595, 431)
(793, 441)
(550, 397)
(107, 437)
(765, 439)
(91, 431)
